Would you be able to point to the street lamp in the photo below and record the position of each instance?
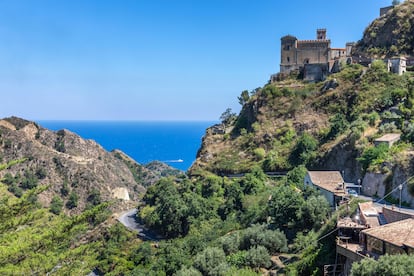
(359, 185)
(400, 187)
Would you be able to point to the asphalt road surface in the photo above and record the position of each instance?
(129, 220)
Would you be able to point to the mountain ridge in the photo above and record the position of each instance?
(68, 163)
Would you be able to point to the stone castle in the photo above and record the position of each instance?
(315, 59)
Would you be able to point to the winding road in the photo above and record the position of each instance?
(128, 219)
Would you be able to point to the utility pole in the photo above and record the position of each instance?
(400, 187)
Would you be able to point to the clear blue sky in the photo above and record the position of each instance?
(153, 59)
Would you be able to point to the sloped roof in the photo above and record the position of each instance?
(328, 180)
(398, 233)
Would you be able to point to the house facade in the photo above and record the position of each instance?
(373, 232)
(329, 183)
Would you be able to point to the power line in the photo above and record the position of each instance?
(398, 187)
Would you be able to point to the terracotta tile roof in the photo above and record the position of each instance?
(329, 180)
(398, 233)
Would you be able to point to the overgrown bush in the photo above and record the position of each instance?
(257, 257)
(56, 205)
(72, 201)
(373, 156)
(304, 150)
(212, 261)
(260, 153)
(390, 265)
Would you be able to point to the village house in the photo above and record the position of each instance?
(397, 65)
(373, 232)
(329, 183)
(393, 238)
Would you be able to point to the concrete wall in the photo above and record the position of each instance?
(315, 72)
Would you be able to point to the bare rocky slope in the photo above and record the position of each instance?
(70, 164)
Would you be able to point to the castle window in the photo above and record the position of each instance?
(288, 59)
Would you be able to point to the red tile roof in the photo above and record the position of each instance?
(398, 233)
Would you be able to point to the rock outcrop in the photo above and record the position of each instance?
(390, 34)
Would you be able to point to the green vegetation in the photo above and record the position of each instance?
(221, 225)
(377, 40)
(216, 223)
(227, 117)
(56, 205)
(37, 241)
(72, 201)
(373, 156)
(288, 126)
(393, 265)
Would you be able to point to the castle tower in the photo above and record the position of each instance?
(321, 34)
(288, 57)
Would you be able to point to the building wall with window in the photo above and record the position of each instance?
(296, 53)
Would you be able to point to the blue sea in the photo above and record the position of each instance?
(175, 143)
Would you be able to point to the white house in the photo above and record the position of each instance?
(330, 184)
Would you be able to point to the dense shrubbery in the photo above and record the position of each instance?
(54, 243)
(373, 156)
(394, 265)
(204, 213)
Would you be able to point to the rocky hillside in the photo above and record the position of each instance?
(147, 174)
(78, 171)
(390, 34)
(329, 125)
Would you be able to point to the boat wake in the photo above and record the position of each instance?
(174, 161)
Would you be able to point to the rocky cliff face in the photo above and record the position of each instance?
(69, 165)
(390, 34)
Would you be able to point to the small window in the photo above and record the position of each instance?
(288, 59)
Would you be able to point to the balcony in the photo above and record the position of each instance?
(352, 251)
